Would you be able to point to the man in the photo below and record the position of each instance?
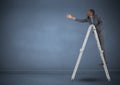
(92, 18)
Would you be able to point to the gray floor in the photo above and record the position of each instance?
(58, 78)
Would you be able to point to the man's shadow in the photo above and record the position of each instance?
(89, 79)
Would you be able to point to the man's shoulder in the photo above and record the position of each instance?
(96, 16)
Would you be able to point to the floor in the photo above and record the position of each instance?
(58, 78)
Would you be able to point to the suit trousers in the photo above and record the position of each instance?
(101, 39)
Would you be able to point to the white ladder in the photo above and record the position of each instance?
(91, 27)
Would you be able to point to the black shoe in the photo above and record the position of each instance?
(101, 64)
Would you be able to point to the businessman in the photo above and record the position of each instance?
(92, 18)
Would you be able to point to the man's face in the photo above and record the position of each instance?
(89, 13)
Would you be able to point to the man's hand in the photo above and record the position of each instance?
(70, 16)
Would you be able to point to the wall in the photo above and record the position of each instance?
(35, 34)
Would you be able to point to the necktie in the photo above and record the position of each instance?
(92, 20)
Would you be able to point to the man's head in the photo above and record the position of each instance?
(91, 12)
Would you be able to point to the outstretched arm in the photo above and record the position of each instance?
(70, 16)
(81, 20)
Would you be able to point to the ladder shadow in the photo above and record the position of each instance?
(90, 79)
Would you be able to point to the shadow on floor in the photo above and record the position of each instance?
(90, 79)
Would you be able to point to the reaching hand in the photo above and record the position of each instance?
(70, 16)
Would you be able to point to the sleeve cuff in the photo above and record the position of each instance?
(74, 18)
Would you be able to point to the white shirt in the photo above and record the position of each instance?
(91, 19)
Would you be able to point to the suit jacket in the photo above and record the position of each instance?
(96, 21)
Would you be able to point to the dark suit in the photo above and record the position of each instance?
(98, 24)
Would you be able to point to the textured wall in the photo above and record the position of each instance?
(35, 34)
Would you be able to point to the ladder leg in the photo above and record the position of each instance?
(77, 64)
(101, 54)
(81, 52)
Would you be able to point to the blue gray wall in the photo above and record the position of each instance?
(35, 34)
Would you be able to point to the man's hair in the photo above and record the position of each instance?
(93, 11)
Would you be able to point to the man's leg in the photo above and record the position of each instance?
(101, 39)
